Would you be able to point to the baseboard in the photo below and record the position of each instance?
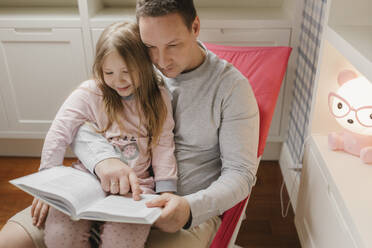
(25, 148)
(291, 177)
(304, 234)
(272, 151)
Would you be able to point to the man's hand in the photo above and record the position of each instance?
(175, 213)
(39, 212)
(118, 178)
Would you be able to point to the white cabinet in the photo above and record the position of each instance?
(39, 13)
(39, 67)
(246, 37)
(96, 32)
(3, 116)
(41, 61)
(320, 218)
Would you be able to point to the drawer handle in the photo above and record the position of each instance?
(33, 30)
(222, 31)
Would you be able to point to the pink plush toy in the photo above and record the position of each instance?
(351, 105)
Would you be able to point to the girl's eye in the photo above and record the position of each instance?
(173, 45)
(108, 73)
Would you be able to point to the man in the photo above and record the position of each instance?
(216, 128)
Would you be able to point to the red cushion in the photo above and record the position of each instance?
(265, 68)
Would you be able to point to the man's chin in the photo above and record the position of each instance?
(170, 73)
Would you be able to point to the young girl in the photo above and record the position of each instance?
(125, 103)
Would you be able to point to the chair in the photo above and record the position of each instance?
(265, 68)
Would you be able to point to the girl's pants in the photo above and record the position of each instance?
(61, 231)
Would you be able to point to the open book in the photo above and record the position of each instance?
(80, 195)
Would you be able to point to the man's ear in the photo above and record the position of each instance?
(195, 27)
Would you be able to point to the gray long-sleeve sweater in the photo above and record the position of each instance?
(216, 137)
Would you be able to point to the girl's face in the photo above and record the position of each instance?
(116, 74)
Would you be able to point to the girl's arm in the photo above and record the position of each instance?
(76, 109)
(101, 159)
(164, 162)
(92, 148)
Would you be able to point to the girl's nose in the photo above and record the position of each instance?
(120, 78)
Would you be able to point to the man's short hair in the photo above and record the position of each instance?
(155, 8)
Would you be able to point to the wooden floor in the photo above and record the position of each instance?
(263, 228)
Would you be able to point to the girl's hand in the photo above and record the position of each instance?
(39, 212)
(118, 178)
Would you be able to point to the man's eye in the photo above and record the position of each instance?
(173, 45)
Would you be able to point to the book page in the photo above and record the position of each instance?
(123, 209)
(79, 188)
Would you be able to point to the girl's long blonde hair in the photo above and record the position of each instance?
(124, 38)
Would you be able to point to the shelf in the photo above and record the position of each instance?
(350, 181)
(106, 16)
(243, 17)
(210, 17)
(39, 16)
(355, 44)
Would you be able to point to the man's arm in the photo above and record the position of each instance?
(91, 147)
(238, 138)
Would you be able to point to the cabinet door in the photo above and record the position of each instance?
(245, 37)
(253, 37)
(3, 117)
(95, 32)
(318, 219)
(38, 70)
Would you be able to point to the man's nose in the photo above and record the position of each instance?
(163, 59)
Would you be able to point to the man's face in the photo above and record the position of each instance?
(170, 43)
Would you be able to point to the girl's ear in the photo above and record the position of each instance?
(345, 76)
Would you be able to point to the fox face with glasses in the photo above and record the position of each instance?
(351, 106)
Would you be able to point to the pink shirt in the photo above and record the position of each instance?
(85, 104)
